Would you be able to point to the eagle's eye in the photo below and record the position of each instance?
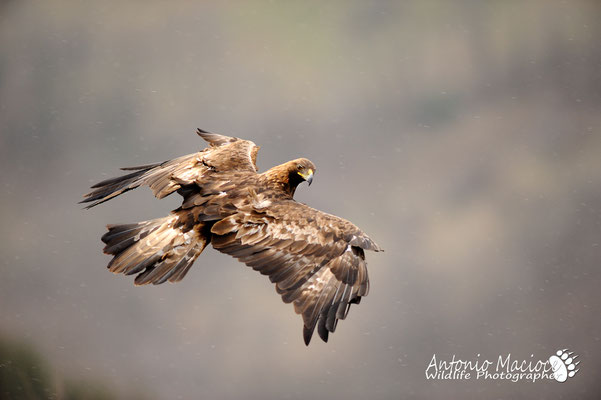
(300, 167)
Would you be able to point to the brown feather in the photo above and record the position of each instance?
(316, 260)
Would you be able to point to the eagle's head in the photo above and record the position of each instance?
(289, 175)
(300, 170)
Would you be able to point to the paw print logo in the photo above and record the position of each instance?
(563, 365)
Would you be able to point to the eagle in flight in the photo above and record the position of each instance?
(316, 260)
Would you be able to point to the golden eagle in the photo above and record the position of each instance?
(316, 260)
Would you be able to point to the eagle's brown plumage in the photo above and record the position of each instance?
(316, 260)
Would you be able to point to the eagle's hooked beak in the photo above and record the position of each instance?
(308, 176)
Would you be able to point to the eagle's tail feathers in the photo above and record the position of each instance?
(158, 250)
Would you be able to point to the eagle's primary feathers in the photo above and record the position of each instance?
(316, 260)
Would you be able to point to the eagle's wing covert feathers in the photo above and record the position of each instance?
(223, 154)
(316, 260)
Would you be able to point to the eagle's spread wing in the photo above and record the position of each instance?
(224, 154)
(316, 260)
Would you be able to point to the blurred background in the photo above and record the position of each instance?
(463, 137)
